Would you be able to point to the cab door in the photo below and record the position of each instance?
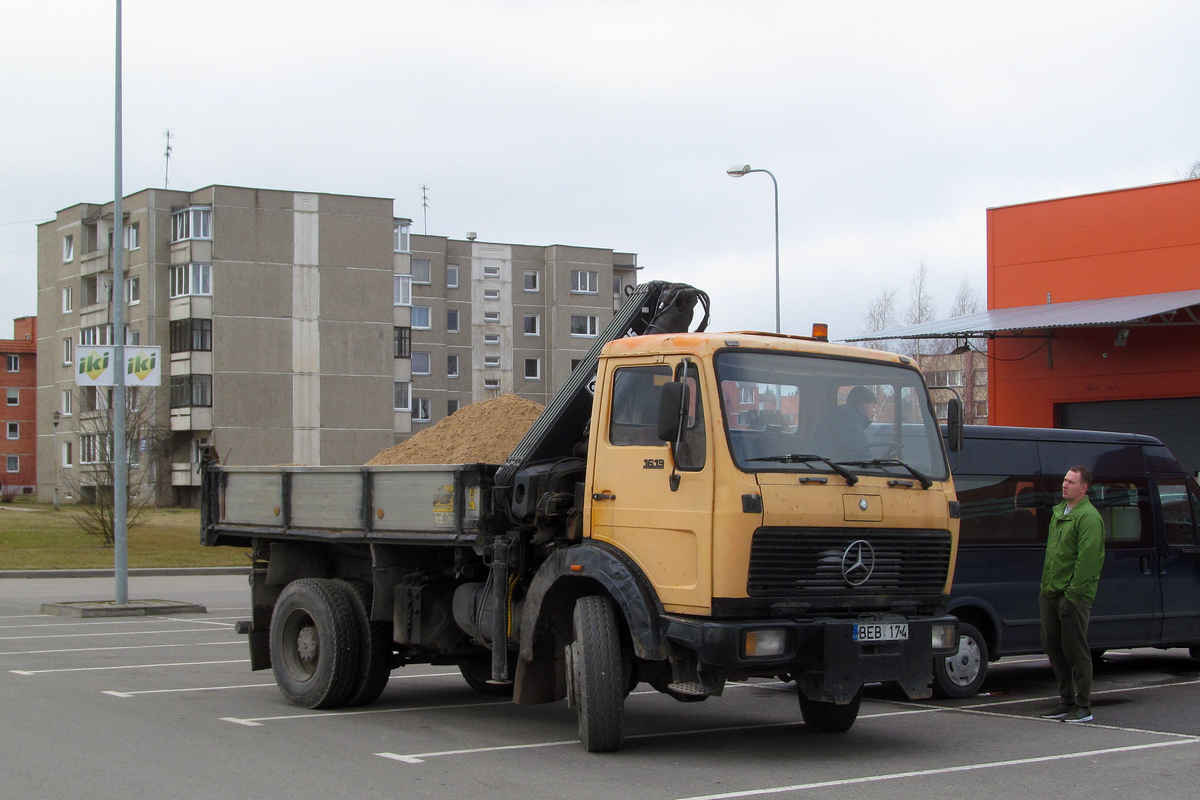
(663, 522)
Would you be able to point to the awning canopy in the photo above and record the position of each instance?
(1167, 308)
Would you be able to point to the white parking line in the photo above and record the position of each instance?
(107, 633)
(125, 666)
(242, 642)
(800, 787)
(116, 693)
(255, 722)
(92, 623)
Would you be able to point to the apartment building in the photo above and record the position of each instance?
(18, 415)
(279, 343)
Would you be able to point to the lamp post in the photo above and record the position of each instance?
(56, 416)
(737, 171)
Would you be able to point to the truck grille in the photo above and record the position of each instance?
(800, 562)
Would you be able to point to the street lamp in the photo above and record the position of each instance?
(56, 416)
(737, 171)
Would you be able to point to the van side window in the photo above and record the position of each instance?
(692, 450)
(634, 418)
(1178, 512)
(1001, 510)
(1125, 508)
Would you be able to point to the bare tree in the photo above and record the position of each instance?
(921, 309)
(881, 316)
(966, 300)
(93, 481)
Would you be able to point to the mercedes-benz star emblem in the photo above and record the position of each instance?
(858, 562)
(863, 504)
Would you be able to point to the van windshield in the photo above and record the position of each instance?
(807, 413)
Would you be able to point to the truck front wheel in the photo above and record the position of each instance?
(828, 717)
(315, 644)
(596, 676)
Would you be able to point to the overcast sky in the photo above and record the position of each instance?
(891, 126)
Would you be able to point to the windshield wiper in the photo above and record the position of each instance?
(804, 458)
(925, 480)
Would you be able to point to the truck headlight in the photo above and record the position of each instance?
(945, 636)
(762, 643)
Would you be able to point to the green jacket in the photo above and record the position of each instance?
(1074, 552)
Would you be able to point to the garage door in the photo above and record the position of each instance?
(1176, 421)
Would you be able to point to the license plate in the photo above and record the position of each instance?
(881, 632)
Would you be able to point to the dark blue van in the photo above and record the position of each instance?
(1007, 480)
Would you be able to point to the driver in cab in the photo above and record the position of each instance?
(843, 431)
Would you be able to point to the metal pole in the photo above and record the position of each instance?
(117, 299)
(776, 185)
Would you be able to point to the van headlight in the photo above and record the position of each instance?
(764, 643)
(945, 636)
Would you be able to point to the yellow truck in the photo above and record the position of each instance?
(692, 508)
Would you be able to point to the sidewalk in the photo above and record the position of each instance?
(108, 573)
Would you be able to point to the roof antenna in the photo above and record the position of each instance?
(167, 171)
(425, 207)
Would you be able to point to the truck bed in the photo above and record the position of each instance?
(423, 503)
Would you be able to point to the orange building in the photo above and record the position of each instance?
(18, 413)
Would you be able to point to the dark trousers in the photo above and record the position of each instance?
(1064, 638)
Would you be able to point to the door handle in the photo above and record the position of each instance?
(1145, 565)
(603, 496)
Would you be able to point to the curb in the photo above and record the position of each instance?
(109, 573)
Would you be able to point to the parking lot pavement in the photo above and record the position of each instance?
(167, 707)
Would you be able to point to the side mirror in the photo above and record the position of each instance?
(671, 406)
(954, 424)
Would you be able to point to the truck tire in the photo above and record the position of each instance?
(375, 658)
(315, 644)
(477, 672)
(825, 717)
(596, 676)
(962, 674)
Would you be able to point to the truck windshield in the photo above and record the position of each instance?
(806, 413)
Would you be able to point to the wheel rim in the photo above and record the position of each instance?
(962, 668)
(302, 645)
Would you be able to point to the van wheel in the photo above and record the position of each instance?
(826, 717)
(315, 644)
(596, 676)
(961, 675)
(375, 658)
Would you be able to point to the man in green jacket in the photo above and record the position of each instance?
(1070, 574)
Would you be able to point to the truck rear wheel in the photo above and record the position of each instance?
(596, 675)
(375, 658)
(828, 717)
(315, 644)
(961, 675)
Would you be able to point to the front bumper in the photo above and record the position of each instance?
(820, 654)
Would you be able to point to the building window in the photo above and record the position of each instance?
(531, 280)
(401, 395)
(400, 236)
(191, 334)
(13, 463)
(97, 335)
(491, 361)
(68, 248)
(452, 276)
(191, 223)
(422, 409)
(533, 369)
(491, 316)
(583, 325)
(532, 327)
(132, 237)
(420, 363)
(451, 366)
(491, 383)
(66, 402)
(191, 390)
(191, 279)
(132, 336)
(68, 351)
(575, 363)
(401, 342)
(617, 285)
(14, 430)
(89, 290)
(491, 338)
(491, 272)
(68, 297)
(584, 281)
(420, 317)
(491, 294)
(420, 270)
(67, 460)
(402, 290)
(133, 290)
(14, 363)
(452, 321)
(451, 407)
(94, 448)
(14, 396)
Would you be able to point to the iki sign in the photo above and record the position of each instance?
(94, 366)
